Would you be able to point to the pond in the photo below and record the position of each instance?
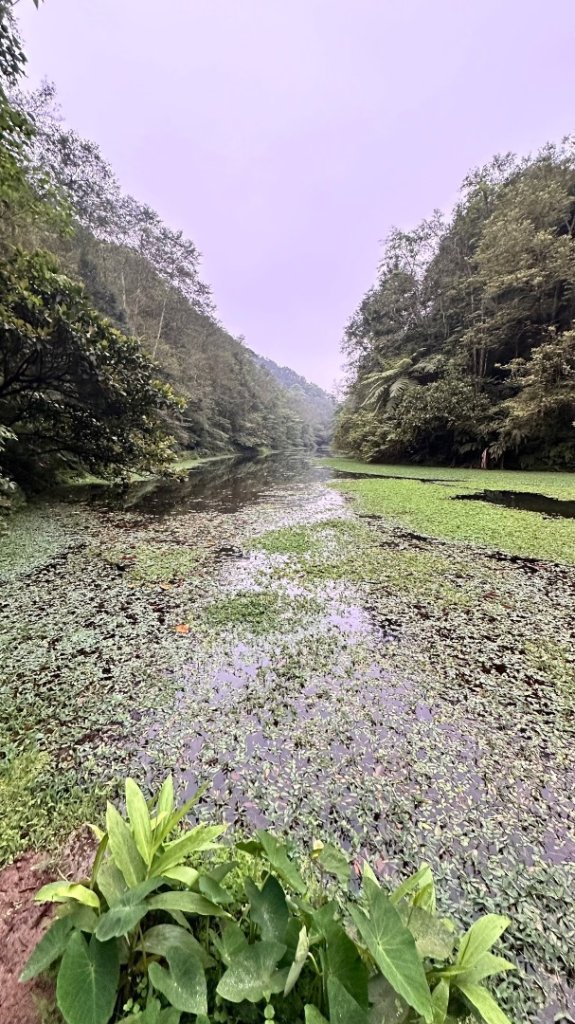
(331, 676)
(525, 500)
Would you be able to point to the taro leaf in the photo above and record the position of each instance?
(60, 892)
(392, 946)
(313, 1016)
(188, 902)
(268, 908)
(483, 1003)
(88, 980)
(251, 846)
(184, 983)
(276, 853)
(386, 1006)
(127, 912)
(161, 937)
(345, 963)
(220, 871)
(139, 819)
(432, 937)
(214, 891)
(123, 847)
(299, 960)
(343, 1008)
(172, 1016)
(253, 973)
(232, 942)
(440, 1000)
(335, 862)
(50, 947)
(196, 840)
(83, 918)
(480, 938)
(119, 921)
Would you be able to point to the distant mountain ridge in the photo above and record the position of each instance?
(316, 405)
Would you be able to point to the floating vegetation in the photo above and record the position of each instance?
(408, 696)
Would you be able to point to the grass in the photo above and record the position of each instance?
(429, 508)
(155, 563)
(27, 821)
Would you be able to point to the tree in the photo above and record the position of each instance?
(74, 391)
(446, 352)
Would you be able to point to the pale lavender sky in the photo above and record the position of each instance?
(286, 137)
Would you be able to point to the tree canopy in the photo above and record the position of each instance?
(104, 316)
(466, 341)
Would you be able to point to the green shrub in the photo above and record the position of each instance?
(162, 933)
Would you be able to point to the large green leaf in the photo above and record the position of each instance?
(480, 938)
(232, 942)
(335, 862)
(345, 963)
(268, 908)
(119, 921)
(161, 937)
(483, 1002)
(421, 881)
(440, 1000)
(276, 853)
(184, 983)
(392, 946)
(111, 882)
(61, 892)
(123, 848)
(165, 803)
(195, 840)
(343, 1008)
(140, 820)
(484, 967)
(253, 973)
(167, 822)
(50, 947)
(432, 937)
(214, 891)
(386, 1007)
(302, 950)
(188, 902)
(313, 1016)
(88, 980)
(184, 874)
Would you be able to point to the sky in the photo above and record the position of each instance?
(287, 137)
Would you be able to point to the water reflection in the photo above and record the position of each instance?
(225, 485)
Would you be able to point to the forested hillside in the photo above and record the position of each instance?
(80, 261)
(466, 343)
(316, 406)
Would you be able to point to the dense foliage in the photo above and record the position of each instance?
(316, 406)
(145, 276)
(170, 927)
(84, 271)
(465, 346)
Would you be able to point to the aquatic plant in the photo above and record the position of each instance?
(156, 933)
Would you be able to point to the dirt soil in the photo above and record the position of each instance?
(22, 923)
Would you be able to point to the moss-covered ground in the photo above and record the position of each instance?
(336, 669)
